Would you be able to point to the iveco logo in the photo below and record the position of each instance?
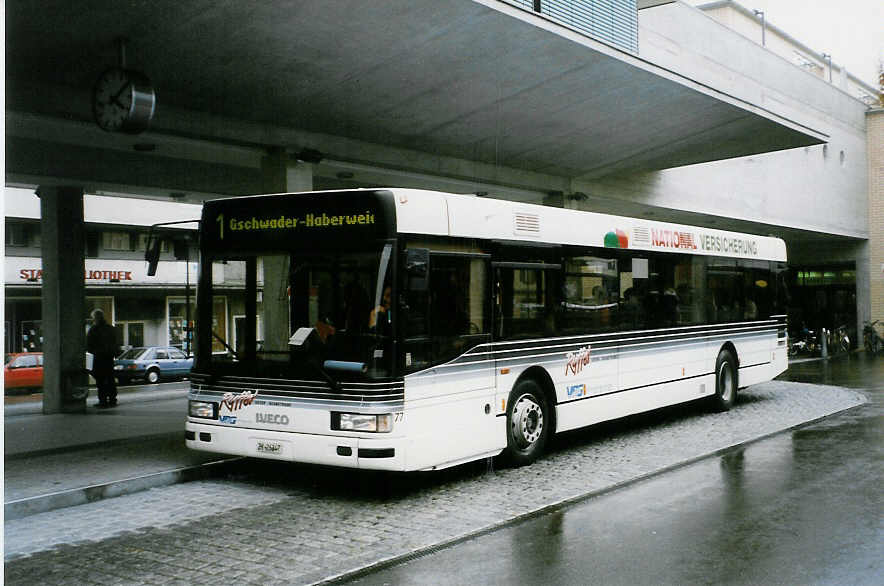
(271, 418)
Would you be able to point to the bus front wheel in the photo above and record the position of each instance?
(527, 423)
(725, 381)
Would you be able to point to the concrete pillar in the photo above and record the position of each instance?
(875, 262)
(64, 334)
(280, 174)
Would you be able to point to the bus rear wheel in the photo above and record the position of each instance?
(527, 423)
(725, 381)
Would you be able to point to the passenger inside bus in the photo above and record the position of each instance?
(380, 317)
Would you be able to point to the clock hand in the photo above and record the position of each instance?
(116, 97)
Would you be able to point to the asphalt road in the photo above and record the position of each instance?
(802, 507)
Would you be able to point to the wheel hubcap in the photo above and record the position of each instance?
(527, 421)
(726, 381)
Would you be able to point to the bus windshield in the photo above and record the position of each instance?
(345, 296)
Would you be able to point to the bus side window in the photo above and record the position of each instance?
(591, 293)
(524, 302)
(452, 315)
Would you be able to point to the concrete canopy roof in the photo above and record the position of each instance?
(477, 80)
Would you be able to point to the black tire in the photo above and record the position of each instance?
(528, 424)
(726, 381)
(152, 376)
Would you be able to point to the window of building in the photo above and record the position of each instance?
(178, 332)
(165, 246)
(130, 333)
(116, 240)
(16, 234)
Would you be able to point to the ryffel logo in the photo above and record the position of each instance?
(234, 401)
(271, 418)
(231, 419)
(575, 361)
(577, 391)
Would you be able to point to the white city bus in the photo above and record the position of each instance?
(409, 330)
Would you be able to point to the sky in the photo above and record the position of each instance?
(851, 31)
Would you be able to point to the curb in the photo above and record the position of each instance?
(36, 407)
(91, 445)
(26, 507)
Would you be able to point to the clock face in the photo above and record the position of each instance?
(122, 101)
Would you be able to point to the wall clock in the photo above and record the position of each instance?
(123, 101)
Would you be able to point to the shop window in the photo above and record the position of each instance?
(31, 335)
(179, 332)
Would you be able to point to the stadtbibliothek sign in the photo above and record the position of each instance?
(29, 271)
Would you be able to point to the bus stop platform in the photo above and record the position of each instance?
(61, 460)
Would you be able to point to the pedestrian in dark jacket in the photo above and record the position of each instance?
(101, 341)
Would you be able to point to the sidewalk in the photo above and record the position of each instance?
(60, 460)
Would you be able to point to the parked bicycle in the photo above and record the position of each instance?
(805, 342)
(872, 340)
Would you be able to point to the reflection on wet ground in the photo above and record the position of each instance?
(803, 507)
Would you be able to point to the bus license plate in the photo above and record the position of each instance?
(269, 447)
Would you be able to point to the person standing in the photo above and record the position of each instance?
(101, 341)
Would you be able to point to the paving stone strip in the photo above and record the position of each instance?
(298, 525)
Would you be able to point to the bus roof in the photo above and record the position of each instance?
(436, 213)
(445, 214)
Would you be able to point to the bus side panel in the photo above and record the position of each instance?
(652, 363)
(761, 360)
(449, 416)
(578, 379)
(756, 354)
(607, 407)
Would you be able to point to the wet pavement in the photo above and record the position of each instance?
(801, 507)
(276, 523)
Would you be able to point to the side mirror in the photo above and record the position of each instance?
(152, 254)
(417, 267)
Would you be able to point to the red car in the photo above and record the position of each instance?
(22, 371)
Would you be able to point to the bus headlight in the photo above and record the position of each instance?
(362, 422)
(202, 409)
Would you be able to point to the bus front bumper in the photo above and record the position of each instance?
(382, 453)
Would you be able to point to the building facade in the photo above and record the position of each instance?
(145, 310)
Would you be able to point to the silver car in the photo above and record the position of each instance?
(152, 364)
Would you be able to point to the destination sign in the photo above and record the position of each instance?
(282, 220)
